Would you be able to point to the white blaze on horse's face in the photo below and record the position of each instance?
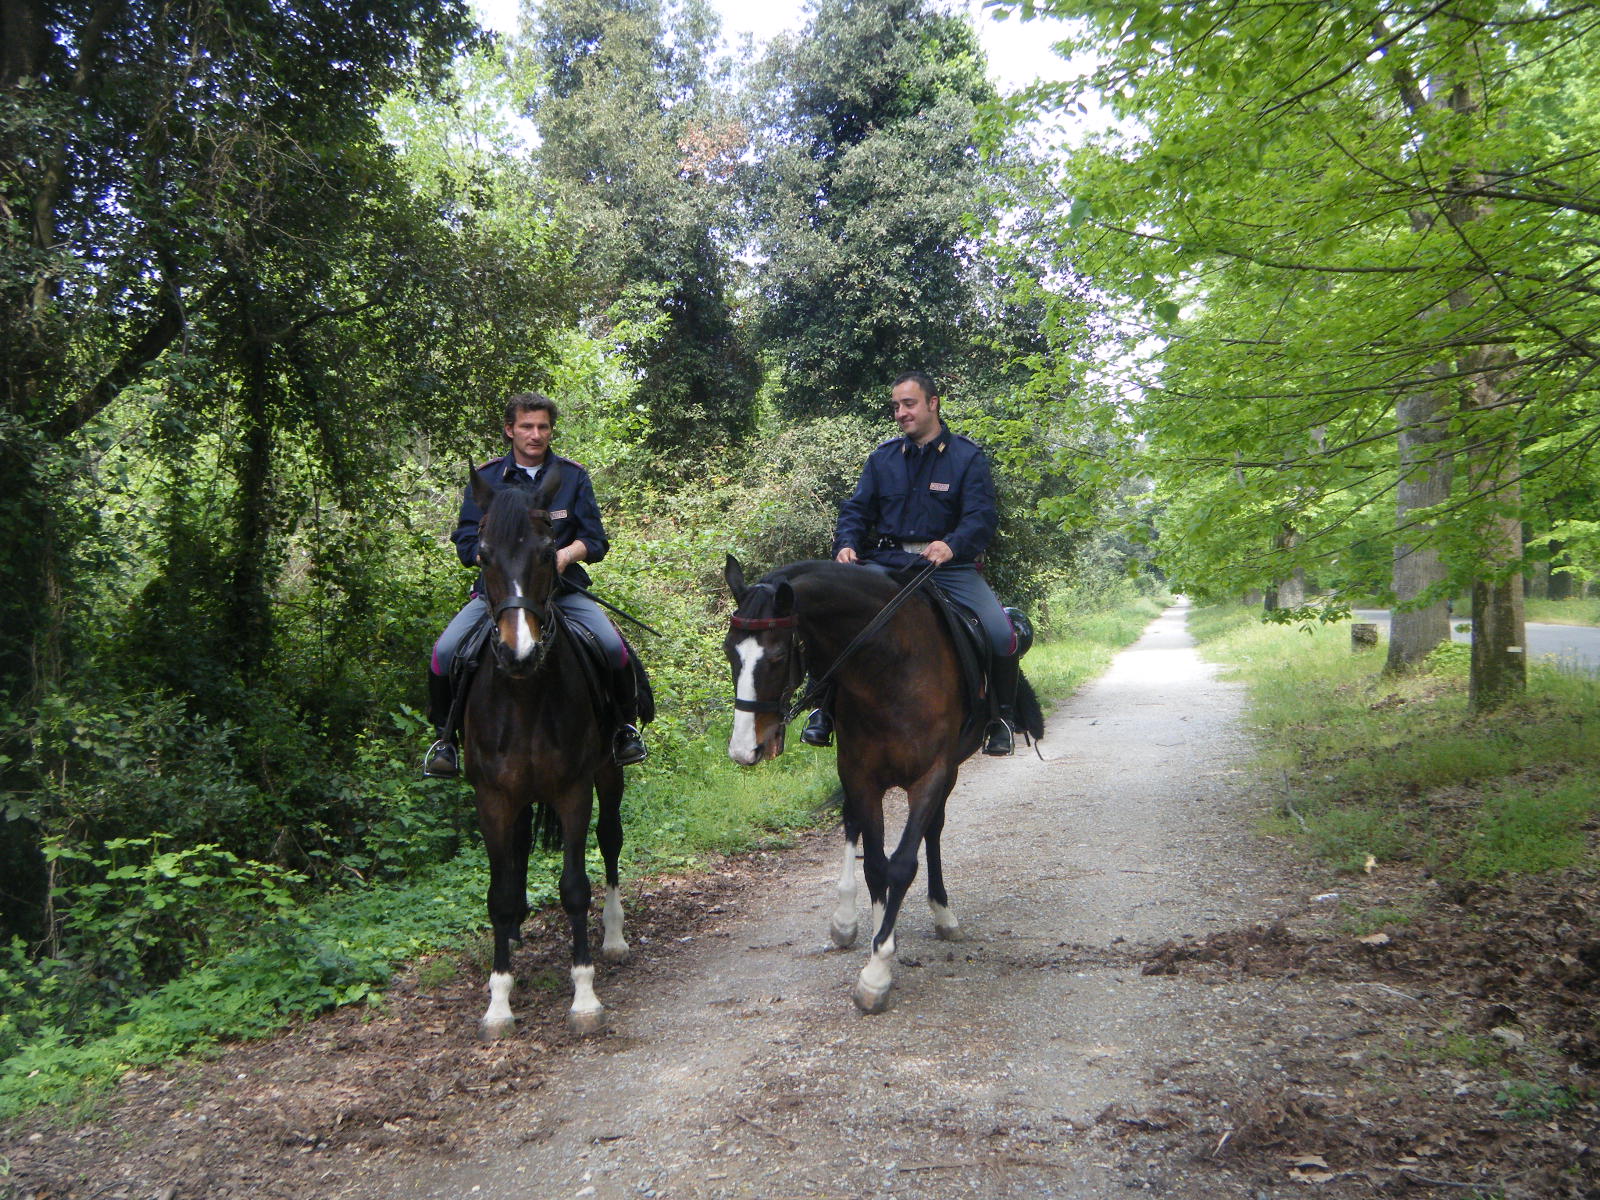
(527, 639)
(744, 747)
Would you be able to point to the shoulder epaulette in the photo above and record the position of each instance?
(487, 465)
(899, 437)
(573, 461)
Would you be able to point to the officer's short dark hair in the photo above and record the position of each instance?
(530, 402)
(921, 378)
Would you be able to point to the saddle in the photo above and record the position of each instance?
(976, 655)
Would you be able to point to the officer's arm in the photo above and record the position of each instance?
(587, 527)
(466, 532)
(979, 515)
(856, 514)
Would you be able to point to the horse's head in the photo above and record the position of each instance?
(518, 558)
(763, 646)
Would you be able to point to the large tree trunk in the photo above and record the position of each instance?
(1425, 472)
(1499, 653)
(1289, 592)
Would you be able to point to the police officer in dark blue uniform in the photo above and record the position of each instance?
(580, 537)
(928, 495)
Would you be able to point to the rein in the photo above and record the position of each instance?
(818, 684)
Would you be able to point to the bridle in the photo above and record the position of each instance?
(761, 625)
(546, 614)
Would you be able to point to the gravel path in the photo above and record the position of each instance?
(746, 1071)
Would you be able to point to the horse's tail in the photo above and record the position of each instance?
(1027, 708)
(646, 694)
(546, 827)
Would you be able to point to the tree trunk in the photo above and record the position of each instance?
(1425, 472)
(1289, 592)
(1499, 653)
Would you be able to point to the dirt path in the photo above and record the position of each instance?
(746, 1070)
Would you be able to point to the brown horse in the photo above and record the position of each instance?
(900, 717)
(535, 746)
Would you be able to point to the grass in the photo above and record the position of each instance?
(1396, 768)
(1564, 612)
(344, 948)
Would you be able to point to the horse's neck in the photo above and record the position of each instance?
(832, 615)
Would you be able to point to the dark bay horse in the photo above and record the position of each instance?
(900, 717)
(535, 750)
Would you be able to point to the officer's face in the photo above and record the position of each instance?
(914, 411)
(530, 437)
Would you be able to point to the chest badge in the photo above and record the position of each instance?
(938, 487)
(557, 514)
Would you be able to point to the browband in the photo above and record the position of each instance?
(757, 623)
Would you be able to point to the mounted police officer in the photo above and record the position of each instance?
(580, 536)
(929, 495)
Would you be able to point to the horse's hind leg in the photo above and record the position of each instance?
(507, 834)
(945, 924)
(608, 832)
(586, 1015)
(842, 926)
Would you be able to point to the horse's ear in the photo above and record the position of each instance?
(783, 602)
(549, 484)
(481, 491)
(733, 574)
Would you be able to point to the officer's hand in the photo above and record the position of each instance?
(938, 552)
(564, 557)
(846, 554)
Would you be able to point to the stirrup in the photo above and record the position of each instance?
(440, 760)
(1001, 741)
(627, 747)
(819, 729)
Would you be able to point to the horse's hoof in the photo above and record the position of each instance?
(615, 954)
(949, 933)
(871, 999)
(844, 936)
(493, 1031)
(587, 1022)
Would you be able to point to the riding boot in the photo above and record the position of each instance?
(819, 728)
(627, 747)
(440, 761)
(1003, 675)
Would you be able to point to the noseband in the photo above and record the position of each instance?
(761, 625)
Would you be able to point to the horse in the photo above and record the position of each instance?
(900, 717)
(536, 747)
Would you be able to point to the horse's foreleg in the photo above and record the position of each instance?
(608, 832)
(586, 1014)
(924, 801)
(945, 924)
(504, 838)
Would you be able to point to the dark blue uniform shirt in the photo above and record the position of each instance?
(574, 515)
(942, 491)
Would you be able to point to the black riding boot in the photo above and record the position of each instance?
(819, 727)
(1003, 674)
(440, 760)
(627, 747)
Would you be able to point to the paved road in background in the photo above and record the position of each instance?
(1574, 647)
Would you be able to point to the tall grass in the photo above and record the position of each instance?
(1396, 767)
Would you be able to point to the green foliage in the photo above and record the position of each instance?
(864, 197)
(1530, 829)
(1304, 228)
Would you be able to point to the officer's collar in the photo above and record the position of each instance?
(939, 442)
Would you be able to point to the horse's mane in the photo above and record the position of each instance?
(868, 581)
(510, 511)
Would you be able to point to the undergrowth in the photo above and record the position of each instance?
(1397, 769)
